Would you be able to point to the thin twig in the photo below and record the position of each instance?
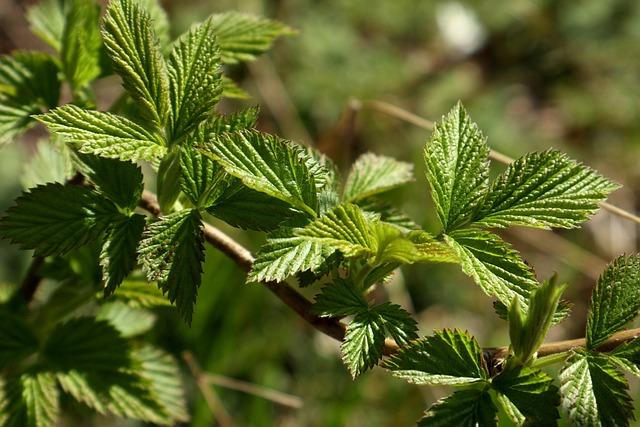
(402, 114)
(253, 389)
(214, 403)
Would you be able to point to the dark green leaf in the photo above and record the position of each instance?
(29, 400)
(17, 341)
(118, 255)
(464, 408)
(363, 343)
(397, 322)
(340, 298)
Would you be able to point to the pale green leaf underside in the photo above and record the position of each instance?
(127, 320)
(267, 164)
(243, 37)
(464, 408)
(372, 174)
(447, 357)
(194, 77)
(104, 134)
(544, 190)
(47, 19)
(282, 257)
(493, 265)
(457, 163)
(594, 393)
(81, 43)
(615, 300)
(172, 252)
(135, 52)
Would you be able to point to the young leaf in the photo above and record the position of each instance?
(194, 77)
(159, 20)
(464, 408)
(201, 179)
(493, 265)
(29, 400)
(372, 174)
(120, 181)
(219, 123)
(172, 252)
(118, 254)
(388, 214)
(81, 43)
(615, 300)
(532, 392)
(457, 163)
(398, 323)
(544, 190)
(594, 392)
(128, 321)
(447, 357)
(47, 19)
(231, 90)
(248, 209)
(244, 37)
(103, 134)
(17, 341)
(134, 49)
(93, 363)
(28, 84)
(363, 343)
(162, 373)
(340, 298)
(345, 228)
(282, 257)
(267, 164)
(527, 332)
(55, 218)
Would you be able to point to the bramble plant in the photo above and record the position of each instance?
(86, 341)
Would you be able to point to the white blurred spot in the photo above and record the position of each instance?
(460, 28)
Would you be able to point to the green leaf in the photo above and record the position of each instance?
(464, 408)
(220, 123)
(397, 322)
(159, 20)
(172, 252)
(28, 85)
(615, 300)
(231, 90)
(47, 20)
(267, 164)
(103, 134)
(532, 392)
(363, 343)
(388, 214)
(118, 255)
(51, 162)
(457, 163)
(55, 218)
(140, 293)
(135, 51)
(493, 265)
(544, 190)
(338, 299)
(447, 357)
(243, 37)
(431, 249)
(128, 321)
(527, 332)
(162, 373)
(17, 341)
(282, 257)
(594, 393)
(344, 228)
(245, 208)
(201, 179)
(120, 181)
(81, 43)
(93, 363)
(195, 78)
(372, 174)
(29, 400)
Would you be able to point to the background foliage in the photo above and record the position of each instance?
(533, 75)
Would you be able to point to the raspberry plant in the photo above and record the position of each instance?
(86, 341)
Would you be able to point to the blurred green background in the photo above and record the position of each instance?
(534, 75)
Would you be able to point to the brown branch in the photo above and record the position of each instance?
(272, 395)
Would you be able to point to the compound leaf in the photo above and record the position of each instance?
(103, 134)
(172, 252)
(372, 174)
(447, 357)
(544, 190)
(457, 163)
(615, 300)
(52, 219)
